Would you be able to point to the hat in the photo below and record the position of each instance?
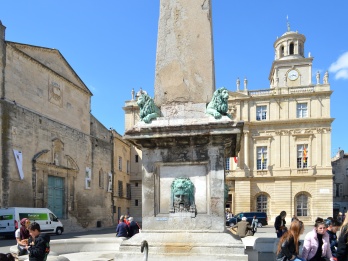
(23, 220)
(244, 218)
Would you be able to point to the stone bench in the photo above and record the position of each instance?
(106, 247)
(259, 249)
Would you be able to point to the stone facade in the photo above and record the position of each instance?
(121, 183)
(131, 118)
(340, 185)
(136, 184)
(54, 153)
(284, 162)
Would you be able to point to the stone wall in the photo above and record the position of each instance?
(45, 114)
(31, 134)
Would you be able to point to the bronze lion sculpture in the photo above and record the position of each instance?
(148, 109)
(218, 105)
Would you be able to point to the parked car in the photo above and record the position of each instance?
(261, 217)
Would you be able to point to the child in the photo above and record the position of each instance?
(38, 244)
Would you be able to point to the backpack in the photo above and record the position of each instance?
(47, 250)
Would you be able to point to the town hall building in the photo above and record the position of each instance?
(285, 157)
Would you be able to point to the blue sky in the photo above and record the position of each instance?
(111, 44)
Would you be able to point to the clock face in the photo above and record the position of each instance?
(293, 75)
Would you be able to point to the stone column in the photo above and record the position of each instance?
(184, 61)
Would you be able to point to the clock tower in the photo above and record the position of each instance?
(290, 68)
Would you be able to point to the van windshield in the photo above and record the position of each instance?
(53, 217)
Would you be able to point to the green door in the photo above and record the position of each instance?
(56, 195)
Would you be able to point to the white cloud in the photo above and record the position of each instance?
(342, 74)
(340, 67)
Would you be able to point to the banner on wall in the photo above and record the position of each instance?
(19, 161)
(110, 182)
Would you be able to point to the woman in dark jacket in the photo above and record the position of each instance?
(279, 224)
(288, 246)
(342, 248)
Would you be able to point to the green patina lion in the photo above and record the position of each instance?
(148, 109)
(182, 195)
(218, 105)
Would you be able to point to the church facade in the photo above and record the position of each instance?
(285, 157)
(55, 153)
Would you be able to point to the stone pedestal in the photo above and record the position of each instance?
(185, 143)
(184, 246)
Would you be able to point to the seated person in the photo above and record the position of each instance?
(243, 228)
(22, 235)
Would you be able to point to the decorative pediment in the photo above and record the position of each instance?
(53, 60)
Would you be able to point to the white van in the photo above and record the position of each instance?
(10, 220)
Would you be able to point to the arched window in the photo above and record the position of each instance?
(291, 49)
(261, 203)
(302, 205)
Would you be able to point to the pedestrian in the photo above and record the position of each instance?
(38, 243)
(316, 245)
(6, 257)
(126, 220)
(243, 228)
(332, 227)
(22, 235)
(342, 248)
(279, 224)
(288, 246)
(254, 224)
(122, 229)
(340, 217)
(133, 227)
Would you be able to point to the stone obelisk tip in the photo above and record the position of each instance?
(185, 60)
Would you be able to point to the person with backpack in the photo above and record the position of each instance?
(38, 244)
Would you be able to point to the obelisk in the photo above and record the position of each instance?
(185, 60)
(184, 148)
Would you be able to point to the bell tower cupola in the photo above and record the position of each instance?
(290, 67)
(290, 45)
